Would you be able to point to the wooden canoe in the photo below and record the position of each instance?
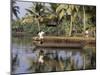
(69, 42)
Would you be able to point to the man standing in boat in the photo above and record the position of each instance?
(87, 33)
(40, 34)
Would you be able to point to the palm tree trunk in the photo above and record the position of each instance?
(84, 24)
(38, 25)
(70, 30)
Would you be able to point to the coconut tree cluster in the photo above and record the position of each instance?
(61, 19)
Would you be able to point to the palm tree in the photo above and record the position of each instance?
(52, 15)
(54, 18)
(71, 10)
(15, 9)
(84, 24)
(89, 13)
(36, 11)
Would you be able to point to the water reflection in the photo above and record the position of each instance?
(28, 59)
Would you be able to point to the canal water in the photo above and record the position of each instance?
(25, 58)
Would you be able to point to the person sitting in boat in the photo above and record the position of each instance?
(40, 34)
(87, 33)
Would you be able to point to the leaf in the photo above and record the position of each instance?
(16, 7)
(77, 8)
(61, 7)
(72, 7)
(58, 8)
(69, 11)
(32, 12)
(61, 14)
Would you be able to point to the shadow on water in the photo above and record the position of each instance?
(28, 59)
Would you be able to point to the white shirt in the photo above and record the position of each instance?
(41, 34)
(86, 32)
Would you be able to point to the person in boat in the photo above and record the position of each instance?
(40, 34)
(87, 33)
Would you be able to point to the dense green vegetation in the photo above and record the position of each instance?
(56, 19)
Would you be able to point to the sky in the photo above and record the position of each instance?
(23, 6)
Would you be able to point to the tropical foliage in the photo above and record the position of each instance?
(58, 19)
(15, 9)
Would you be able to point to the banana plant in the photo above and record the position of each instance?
(71, 10)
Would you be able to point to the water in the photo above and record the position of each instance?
(25, 58)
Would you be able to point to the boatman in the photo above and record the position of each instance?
(40, 34)
(87, 33)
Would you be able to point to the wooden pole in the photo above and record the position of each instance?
(83, 62)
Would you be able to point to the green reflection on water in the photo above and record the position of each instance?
(88, 56)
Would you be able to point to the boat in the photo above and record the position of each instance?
(67, 42)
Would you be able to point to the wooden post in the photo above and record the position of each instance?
(83, 62)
